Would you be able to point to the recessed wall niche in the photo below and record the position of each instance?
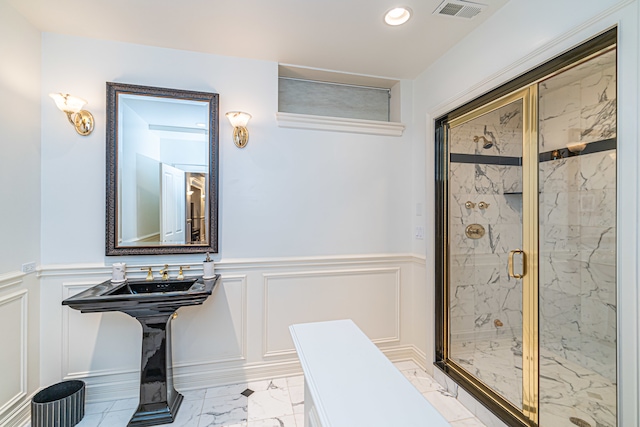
(328, 100)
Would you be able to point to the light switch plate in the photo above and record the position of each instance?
(420, 233)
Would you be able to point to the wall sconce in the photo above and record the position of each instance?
(81, 119)
(239, 122)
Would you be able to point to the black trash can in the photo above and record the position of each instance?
(59, 405)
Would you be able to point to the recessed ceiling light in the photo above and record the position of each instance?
(397, 16)
(201, 125)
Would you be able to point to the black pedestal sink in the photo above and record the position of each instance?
(153, 304)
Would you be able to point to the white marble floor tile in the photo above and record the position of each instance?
(406, 365)
(422, 381)
(125, 404)
(188, 414)
(298, 380)
(89, 420)
(297, 398)
(225, 390)
(194, 394)
(299, 420)
(448, 406)
(285, 421)
(270, 403)
(117, 418)
(467, 422)
(267, 384)
(97, 407)
(224, 410)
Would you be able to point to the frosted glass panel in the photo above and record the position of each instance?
(332, 99)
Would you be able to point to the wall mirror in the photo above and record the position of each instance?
(162, 171)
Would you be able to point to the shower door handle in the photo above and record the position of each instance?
(524, 268)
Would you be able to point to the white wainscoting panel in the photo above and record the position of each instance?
(13, 352)
(13, 278)
(240, 333)
(370, 297)
(97, 344)
(215, 331)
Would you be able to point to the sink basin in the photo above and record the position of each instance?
(129, 288)
(141, 297)
(153, 304)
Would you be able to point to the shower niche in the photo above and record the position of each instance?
(526, 235)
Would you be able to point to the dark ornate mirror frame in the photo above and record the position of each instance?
(111, 235)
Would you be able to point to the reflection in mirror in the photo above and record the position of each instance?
(162, 170)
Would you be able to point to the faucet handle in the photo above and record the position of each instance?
(149, 273)
(165, 272)
(180, 273)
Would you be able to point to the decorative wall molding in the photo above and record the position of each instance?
(22, 297)
(236, 359)
(327, 274)
(230, 265)
(12, 278)
(419, 260)
(20, 415)
(337, 124)
(196, 366)
(70, 289)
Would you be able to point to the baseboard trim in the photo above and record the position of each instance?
(126, 384)
(20, 415)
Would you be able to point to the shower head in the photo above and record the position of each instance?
(486, 144)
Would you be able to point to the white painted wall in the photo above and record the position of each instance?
(314, 226)
(289, 193)
(520, 36)
(20, 211)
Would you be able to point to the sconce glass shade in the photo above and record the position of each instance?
(238, 118)
(81, 119)
(68, 103)
(239, 122)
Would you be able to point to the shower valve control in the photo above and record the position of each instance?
(474, 231)
(483, 205)
(469, 205)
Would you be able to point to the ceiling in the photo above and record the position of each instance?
(342, 35)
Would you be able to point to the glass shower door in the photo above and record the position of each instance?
(526, 229)
(577, 173)
(486, 258)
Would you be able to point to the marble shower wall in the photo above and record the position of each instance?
(481, 290)
(579, 104)
(578, 218)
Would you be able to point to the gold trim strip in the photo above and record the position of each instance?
(445, 232)
(530, 216)
(487, 108)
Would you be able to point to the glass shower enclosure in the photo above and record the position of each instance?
(526, 235)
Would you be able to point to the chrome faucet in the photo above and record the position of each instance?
(165, 272)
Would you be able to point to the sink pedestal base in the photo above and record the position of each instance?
(159, 400)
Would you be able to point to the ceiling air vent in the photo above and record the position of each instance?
(459, 9)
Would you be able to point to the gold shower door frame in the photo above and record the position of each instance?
(530, 236)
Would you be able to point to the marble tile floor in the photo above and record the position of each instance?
(567, 389)
(274, 403)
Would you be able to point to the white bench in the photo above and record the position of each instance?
(348, 382)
